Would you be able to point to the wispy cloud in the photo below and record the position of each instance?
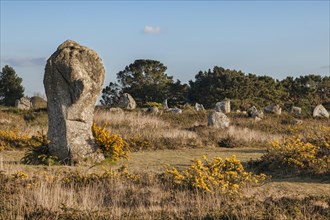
(325, 67)
(151, 30)
(24, 61)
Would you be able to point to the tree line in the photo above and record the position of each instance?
(147, 81)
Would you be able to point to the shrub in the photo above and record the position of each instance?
(307, 153)
(153, 104)
(218, 175)
(112, 145)
(230, 142)
(83, 179)
(38, 153)
(13, 139)
(137, 143)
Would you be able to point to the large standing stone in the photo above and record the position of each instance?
(126, 101)
(223, 106)
(23, 103)
(73, 79)
(218, 120)
(320, 111)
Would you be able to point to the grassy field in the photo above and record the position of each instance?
(73, 192)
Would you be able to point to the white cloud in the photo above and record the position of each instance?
(24, 61)
(151, 30)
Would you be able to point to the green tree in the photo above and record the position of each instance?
(178, 94)
(146, 81)
(210, 87)
(111, 94)
(10, 86)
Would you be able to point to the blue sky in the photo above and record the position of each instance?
(275, 38)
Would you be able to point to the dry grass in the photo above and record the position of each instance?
(159, 132)
(173, 131)
(42, 195)
(188, 134)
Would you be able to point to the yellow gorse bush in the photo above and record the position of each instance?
(112, 145)
(13, 139)
(305, 152)
(217, 175)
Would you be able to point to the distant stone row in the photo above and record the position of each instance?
(126, 101)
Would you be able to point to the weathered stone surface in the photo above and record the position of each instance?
(275, 109)
(254, 112)
(38, 102)
(164, 104)
(218, 120)
(73, 80)
(320, 111)
(23, 103)
(295, 110)
(126, 101)
(223, 106)
(199, 107)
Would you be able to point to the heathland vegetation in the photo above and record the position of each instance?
(252, 170)
(174, 166)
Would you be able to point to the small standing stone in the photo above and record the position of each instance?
(223, 106)
(199, 107)
(164, 105)
(176, 110)
(276, 109)
(320, 111)
(295, 110)
(218, 120)
(254, 112)
(23, 103)
(126, 101)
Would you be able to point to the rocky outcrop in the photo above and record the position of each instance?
(320, 111)
(23, 103)
(199, 107)
(73, 80)
(218, 120)
(275, 109)
(223, 106)
(126, 101)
